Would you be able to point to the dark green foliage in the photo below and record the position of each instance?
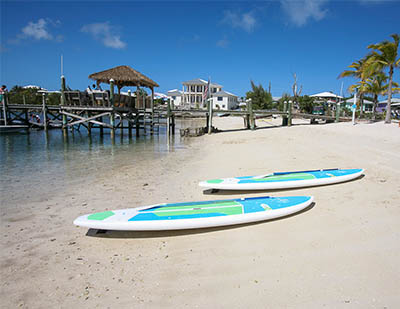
(306, 104)
(260, 98)
(16, 94)
(285, 97)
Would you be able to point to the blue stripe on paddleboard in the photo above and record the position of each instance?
(316, 174)
(255, 205)
(250, 205)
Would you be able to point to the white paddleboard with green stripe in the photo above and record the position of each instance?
(193, 215)
(284, 180)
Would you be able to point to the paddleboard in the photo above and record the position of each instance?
(195, 214)
(283, 180)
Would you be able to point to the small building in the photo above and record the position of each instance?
(326, 97)
(381, 106)
(368, 105)
(194, 94)
(176, 97)
(194, 90)
(224, 100)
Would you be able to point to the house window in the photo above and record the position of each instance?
(199, 89)
(214, 90)
(223, 106)
(192, 88)
(219, 98)
(173, 97)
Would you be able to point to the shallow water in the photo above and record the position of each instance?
(41, 163)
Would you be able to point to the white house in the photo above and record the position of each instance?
(176, 97)
(327, 97)
(194, 92)
(224, 100)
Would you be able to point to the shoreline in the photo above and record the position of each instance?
(344, 250)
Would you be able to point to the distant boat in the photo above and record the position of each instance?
(4, 129)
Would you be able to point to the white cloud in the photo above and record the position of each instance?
(300, 11)
(39, 30)
(105, 33)
(245, 21)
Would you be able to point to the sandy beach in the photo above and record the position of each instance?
(344, 252)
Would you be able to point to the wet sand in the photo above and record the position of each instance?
(342, 252)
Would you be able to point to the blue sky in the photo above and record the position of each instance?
(230, 41)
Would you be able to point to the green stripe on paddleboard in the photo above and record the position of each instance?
(100, 215)
(215, 181)
(226, 210)
(182, 207)
(303, 176)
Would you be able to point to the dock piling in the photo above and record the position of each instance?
(44, 111)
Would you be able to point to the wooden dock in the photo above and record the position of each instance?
(77, 110)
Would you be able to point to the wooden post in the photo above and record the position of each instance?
(152, 110)
(62, 102)
(24, 99)
(4, 101)
(337, 111)
(137, 123)
(44, 111)
(101, 127)
(112, 115)
(130, 114)
(89, 124)
(252, 121)
(173, 123)
(168, 117)
(284, 117)
(289, 122)
(210, 115)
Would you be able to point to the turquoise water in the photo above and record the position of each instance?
(39, 163)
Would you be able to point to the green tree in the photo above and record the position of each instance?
(385, 55)
(260, 98)
(358, 71)
(376, 86)
(306, 104)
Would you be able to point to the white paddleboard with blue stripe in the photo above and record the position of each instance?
(193, 215)
(284, 180)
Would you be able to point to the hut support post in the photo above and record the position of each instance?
(289, 123)
(112, 115)
(44, 111)
(130, 114)
(137, 123)
(152, 110)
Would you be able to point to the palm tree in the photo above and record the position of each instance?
(385, 55)
(358, 71)
(376, 86)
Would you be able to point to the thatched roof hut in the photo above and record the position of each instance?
(123, 75)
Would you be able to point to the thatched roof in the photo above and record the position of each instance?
(123, 75)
